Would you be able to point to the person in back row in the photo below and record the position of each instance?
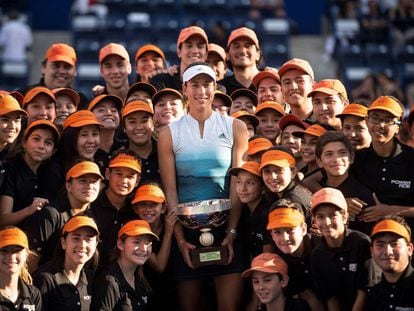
(192, 46)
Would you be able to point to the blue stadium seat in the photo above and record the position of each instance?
(87, 48)
(351, 56)
(14, 75)
(115, 21)
(353, 76)
(379, 57)
(166, 22)
(138, 21)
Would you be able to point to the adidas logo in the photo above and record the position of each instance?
(222, 135)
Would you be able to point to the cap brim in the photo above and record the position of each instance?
(249, 272)
(141, 232)
(283, 224)
(6, 110)
(125, 164)
(81, 123)
(86, 172)
(278, 163)
(62, 58)
(324, 90)
(10, 242)
(234, 171)
(150, 198)
(385, 109)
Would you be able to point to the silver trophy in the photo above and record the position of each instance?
(205, 215)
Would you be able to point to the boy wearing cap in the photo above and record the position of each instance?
(338, 263)
(354, 125)
(269, 275)
(329, 98)
(221, 102)
(288, 230)
(267, 83)
(249, 189)
(138, 124)
(387, 166)
(250, 120)
(58, 70)
(67, 101)
(140, 91)
(334, 155)
(82, 185)
(115, 67)
(243, 99)
(269, 114)
(40, 104)
(192, 45)
(392, 250)
(297, 79)
(243, 54)
(112, 209)
(216, 58)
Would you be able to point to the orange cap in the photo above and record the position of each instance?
(125, 160)
(61, 52)
(314, 130)
(328, 196)
(243, 32)
(9, 104)
(390, 226)
(269, 72)
(81, 118)
(106, 97)
(135, 106)
(387, 103)
(268, 263)
(330, 87)
(244, 114)
(250, 166)
(162, 92)
(149, 48)
(226, 98)
(291, 119)
(244, 92)
(68, 92)
(187, 32)
(146, 87)
(258, 144)
(284, 217)
(43, 123)
(149, 193)
(270, 105)
(15, 94)
(113, 49)
(299, 64)
(354, 110)
(83, 168)
(32, 93)
(277, 158)
(77, 222)
(135, 228)
(13, 236)
(215, 48)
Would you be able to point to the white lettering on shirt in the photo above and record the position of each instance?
(405, 184)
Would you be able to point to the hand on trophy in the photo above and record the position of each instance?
(228, 242)
(185, 249)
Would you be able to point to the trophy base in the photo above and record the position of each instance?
(205, 256)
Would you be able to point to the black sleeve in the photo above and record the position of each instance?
(44, 282)
(9, 183)
(36, 298)
(106, 294)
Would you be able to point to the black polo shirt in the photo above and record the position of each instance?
(391, 178)
(340, 272)
(102, 158)
(392, 296)
(299, 268)
(20, 183)
(52, 177)
(29, 299)
(109, 220)
(84, 101)
(112, 292)
(253, 227)
(165, 80)
(231, 84)
(291, 304)
(352, 188)
(59, 294)
(149, 166)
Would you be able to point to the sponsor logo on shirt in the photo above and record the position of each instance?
(405, 184)
(404, 309)
(29, 307)
(353, 267)
(87, 297)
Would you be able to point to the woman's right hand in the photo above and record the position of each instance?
(185, 249)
